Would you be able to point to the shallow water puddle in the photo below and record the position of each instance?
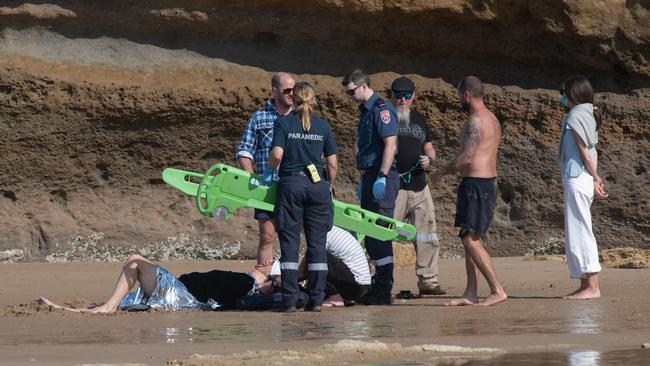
(378, 354)
(359, 323)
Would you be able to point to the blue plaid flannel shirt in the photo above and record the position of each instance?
(255, 143)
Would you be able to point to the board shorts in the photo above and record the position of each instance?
(475, 202)
(263, 215)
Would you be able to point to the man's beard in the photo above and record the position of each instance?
(466, 106)
(404, 116)
(282, 102)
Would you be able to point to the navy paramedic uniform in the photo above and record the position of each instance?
(299, 202)
(378, 120)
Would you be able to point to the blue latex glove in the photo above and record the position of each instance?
(379, 188)
(267, 177)
(360, 189)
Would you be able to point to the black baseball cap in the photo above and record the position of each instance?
(402, 83)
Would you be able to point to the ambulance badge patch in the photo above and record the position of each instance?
(385, 116)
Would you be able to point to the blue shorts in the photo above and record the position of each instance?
(475, 204)
(261, 214)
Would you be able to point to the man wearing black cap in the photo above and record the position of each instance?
(414, 204)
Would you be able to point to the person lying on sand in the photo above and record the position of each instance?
(161, 290)
(348, 279)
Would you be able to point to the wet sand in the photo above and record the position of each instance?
(534, 324)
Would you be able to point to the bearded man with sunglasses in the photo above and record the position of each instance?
(254, 148)
(414, 204)
(379, 181)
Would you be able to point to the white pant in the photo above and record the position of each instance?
(580, 243)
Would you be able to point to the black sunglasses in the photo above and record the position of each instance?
(287, 91)
(400, 94)
(350, 92)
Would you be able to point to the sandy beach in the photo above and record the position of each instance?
(97, 98)
(533, 325)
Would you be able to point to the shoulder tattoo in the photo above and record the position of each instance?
(471, 132)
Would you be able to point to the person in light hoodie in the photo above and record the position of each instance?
(579, 160)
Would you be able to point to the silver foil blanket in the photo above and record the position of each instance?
(169, 295)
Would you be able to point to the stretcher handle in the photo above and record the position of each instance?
(202, 203)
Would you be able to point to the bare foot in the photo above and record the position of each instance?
(588, 293)
(333, 301)
(573, 293)
(101, 309)
(493, 298)
(463, 301)
(45, 301)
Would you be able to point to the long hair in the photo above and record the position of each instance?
(578, 90)
(304, 99)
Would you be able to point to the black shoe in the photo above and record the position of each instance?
(377, 298)
(313, 307)
(284, 309)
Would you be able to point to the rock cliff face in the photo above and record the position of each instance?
(97, 98)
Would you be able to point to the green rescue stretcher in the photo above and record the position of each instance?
(224, 187)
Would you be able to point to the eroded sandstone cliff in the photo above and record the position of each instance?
(97, 98)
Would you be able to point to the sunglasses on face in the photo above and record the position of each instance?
(287, 91)
(405, 95)
(351, 92)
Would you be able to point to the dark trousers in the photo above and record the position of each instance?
(300, 202)
(381, 252)
(340, 280)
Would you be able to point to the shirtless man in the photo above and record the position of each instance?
(477, 164)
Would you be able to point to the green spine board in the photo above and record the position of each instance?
(232, 188)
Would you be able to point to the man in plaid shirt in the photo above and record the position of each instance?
(254, 147)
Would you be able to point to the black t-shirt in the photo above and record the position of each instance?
(410, 140)
(224, 287)
(302, 148)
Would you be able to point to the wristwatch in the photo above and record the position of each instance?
(381, 174)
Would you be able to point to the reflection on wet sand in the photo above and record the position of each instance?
(368, 353)
(360, 323)
(278, 331)
(236, 332)
(585, 317)
(583, 358)
(534, 326)
(578, 358)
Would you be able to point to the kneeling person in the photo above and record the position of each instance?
(348, 275)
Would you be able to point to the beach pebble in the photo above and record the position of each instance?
(645, 345)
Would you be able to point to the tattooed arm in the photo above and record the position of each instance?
(470, 140)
